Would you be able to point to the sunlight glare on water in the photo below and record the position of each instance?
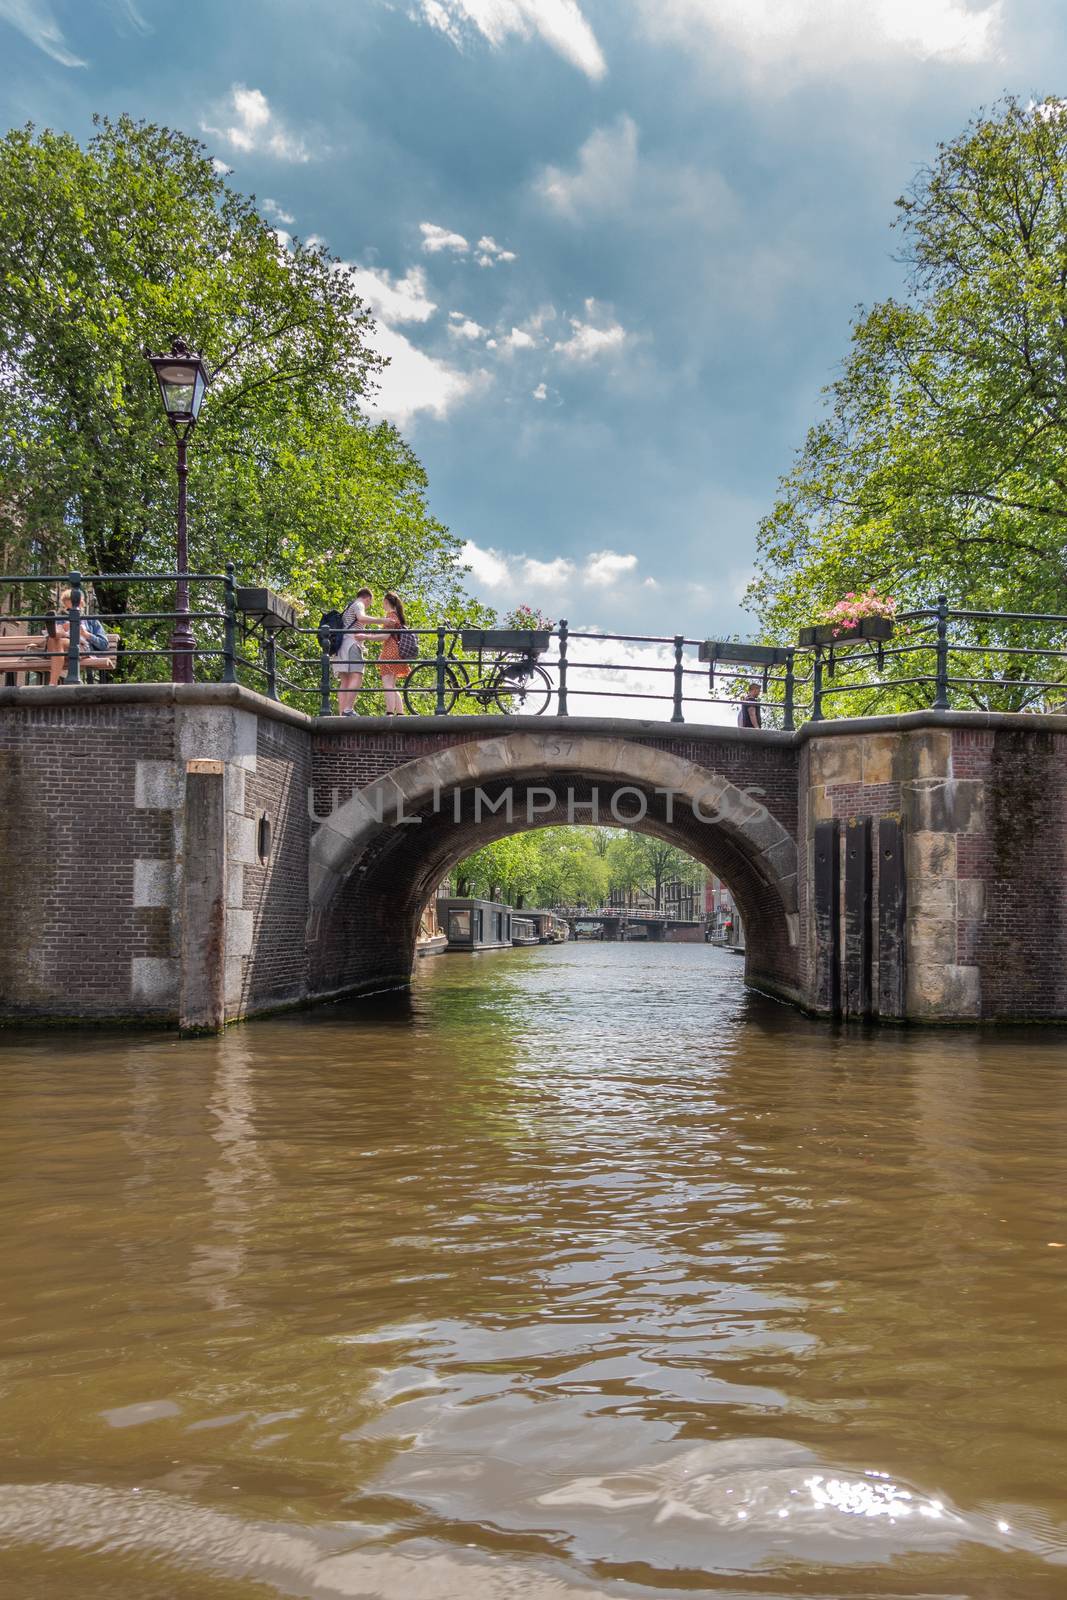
(584, 1272)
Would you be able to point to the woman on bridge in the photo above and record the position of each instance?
(391, 663)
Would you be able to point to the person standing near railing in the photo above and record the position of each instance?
(391, 663)
(349, 661)
(750, 714)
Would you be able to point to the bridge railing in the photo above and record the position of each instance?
(939, 657)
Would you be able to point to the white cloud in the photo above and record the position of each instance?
(518, 339)
(588, 340)
(603, 177)
(559, 23)
(461, 327)
(548, 574)
(222, 168)
(822, 36)
(256, 128)
(540, 393)
(394, 299)
(490, 253)
(515, 577)
(435, 239)
(36, 21)
(415, 381)
(277, 213)
(606, 567)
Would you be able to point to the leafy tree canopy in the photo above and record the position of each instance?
(939, 466)
(111, 249)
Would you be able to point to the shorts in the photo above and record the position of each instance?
(350, 657)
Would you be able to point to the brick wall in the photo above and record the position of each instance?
(76, 814)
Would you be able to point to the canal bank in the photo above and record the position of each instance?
(473, 1291)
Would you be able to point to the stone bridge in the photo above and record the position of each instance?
(202, 854)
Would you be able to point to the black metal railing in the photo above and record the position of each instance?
(939, 657)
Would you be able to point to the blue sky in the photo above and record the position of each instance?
(614, 246)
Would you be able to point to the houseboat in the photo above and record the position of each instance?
(551, 929)
(523, 930)
(474, 924)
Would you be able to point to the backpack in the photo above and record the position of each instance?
(331, 631)
(407, 645)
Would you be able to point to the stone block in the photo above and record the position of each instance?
(881, 753)
(944, 805)
(929, 753)
(765, 832)
(820, 804)
(221, 733)
(334, 851)
(235, 884)
(241, 839)
(970, 899)
(933, 897)
(931, 939)
(836, 760)
(158, 786)
(930, 855)
(154, 980)
(234, 985)
(235, 788)
(944, 992)
(782, 857)
(153, 883)
(240, 934)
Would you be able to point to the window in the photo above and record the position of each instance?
(459, 925)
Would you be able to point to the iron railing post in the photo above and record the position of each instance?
(181, 640)
(678, 715)
(324, 673)
(941, 676)
(229, 627)
(271, 657)
(790, 692)
(440, 709)
(816, 685)
(561, 693)
(74, 629)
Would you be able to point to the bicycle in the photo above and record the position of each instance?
(506, 674)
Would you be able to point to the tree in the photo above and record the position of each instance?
(110, 249)
(641, 862)
(939, 467)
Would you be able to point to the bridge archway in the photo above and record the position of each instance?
(375, 861)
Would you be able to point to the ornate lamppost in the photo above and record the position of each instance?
(183, 379)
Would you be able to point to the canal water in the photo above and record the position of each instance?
(584, 1273)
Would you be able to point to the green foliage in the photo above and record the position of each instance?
(573, 866)
(108, 250)
(939, 466)
(641, 863)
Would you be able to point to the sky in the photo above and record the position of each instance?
(613, 247)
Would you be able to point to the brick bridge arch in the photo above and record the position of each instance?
(377, 858)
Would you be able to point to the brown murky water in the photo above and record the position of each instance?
(586, 1274)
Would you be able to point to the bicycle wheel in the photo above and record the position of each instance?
(526, 696)
(420, 689)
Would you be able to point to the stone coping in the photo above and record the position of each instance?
(234, 694)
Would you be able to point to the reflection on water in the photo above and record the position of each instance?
(582, 1273)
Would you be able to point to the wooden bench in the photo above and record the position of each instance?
(45, 655)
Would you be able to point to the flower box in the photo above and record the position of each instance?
(518, 641)
(831, 633)
(266, 607)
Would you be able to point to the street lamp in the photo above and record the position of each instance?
(182, 378)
